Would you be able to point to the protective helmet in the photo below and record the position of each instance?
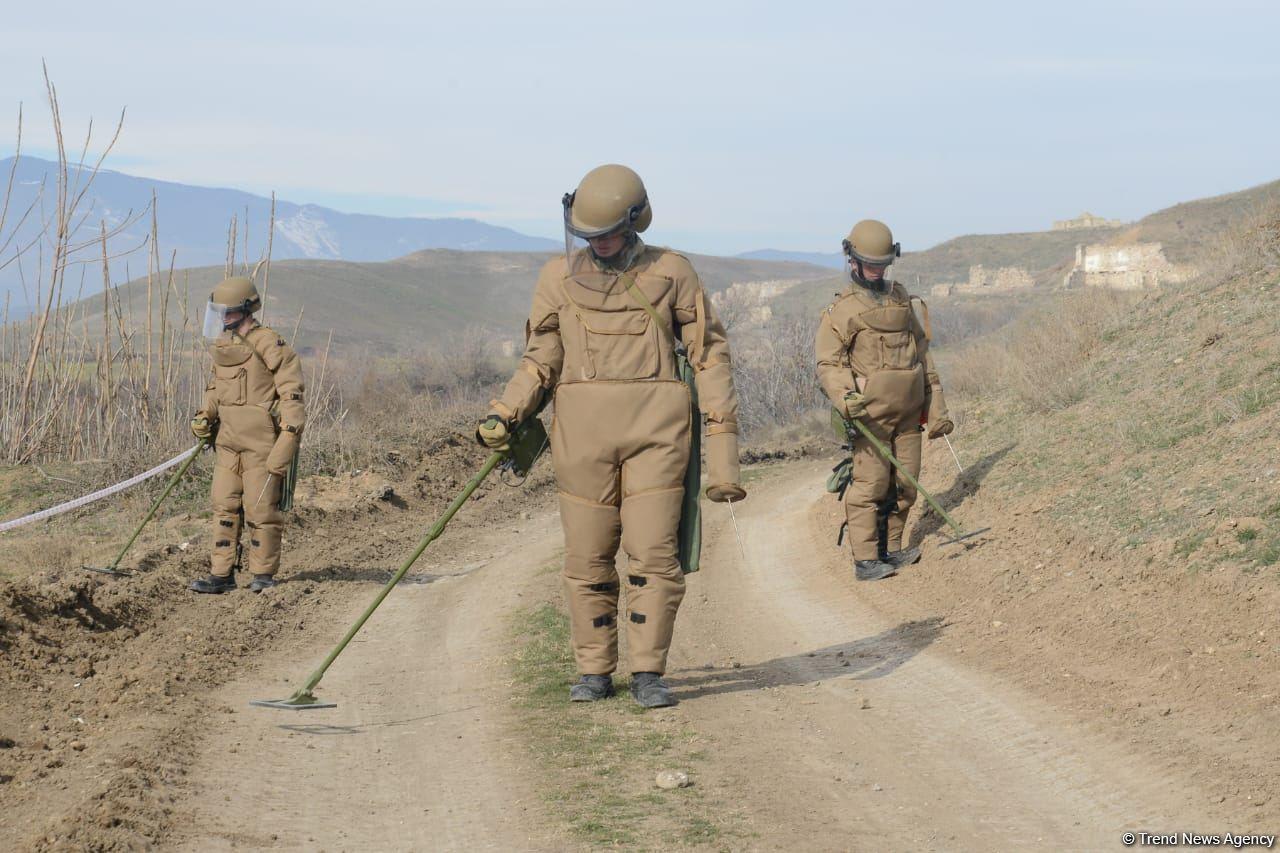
(236, 294)
(871, 242)
(608, 198)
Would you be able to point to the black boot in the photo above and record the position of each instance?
(261, 582)
(873, 570)
(650, 691)
(591, 688)
(905, 557)
(214, 584)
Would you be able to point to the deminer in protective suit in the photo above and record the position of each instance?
(607, 322)
(253, 413)
(874, 364)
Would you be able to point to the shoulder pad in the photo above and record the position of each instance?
(555, 267)
(661, 254)
(667, 250)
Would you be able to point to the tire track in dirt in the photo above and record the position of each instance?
(841, 727)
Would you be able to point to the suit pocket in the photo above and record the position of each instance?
(232, 384)
(891, 394)
(898, 350)
(618, 345)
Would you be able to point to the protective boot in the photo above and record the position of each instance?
(261, 582)
(591, 688)
(650, 691)
(905, 557)
(873, 570)
(214, 584)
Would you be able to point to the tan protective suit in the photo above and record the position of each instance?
(874, 343)
(255, 397)
(620, 437)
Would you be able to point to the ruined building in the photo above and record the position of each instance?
(1137, 266)
(983, 280)
(1085, 220)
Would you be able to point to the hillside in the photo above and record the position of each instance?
(428, 294)
(1187, 229)
(1184, 230)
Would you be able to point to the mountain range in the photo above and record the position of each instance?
(193, 221)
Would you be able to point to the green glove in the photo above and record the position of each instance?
(494, 433)
(201, 428)
(855, 405)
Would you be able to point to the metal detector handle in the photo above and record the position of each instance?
(155, 507)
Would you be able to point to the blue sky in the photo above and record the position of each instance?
(754, 124)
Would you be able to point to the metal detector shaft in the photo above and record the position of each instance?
(434, 533)
(902, 469)
(155, 507)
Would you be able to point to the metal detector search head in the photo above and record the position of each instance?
(108, 570)
(303, 700)
(963, 536)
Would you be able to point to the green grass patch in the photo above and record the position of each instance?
(1188, 545)
(599, 760)
(1246, 535)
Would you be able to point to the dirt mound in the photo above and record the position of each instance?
(103, 682)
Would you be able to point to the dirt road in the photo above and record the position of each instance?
(832, 721)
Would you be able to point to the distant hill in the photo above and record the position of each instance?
(193, 221)
(1184, 230)
(822, 259)
(427, 295)
(1187, 229)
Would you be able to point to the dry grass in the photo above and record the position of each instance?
(1041, 359)
(775, 376)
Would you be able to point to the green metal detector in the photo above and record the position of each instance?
(526, 445)
(114, 569)
(841, 423)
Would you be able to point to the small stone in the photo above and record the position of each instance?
(996, 624)
(737, 665)
(78, 745)
(669, 780)
(866, 704)
(876, 787)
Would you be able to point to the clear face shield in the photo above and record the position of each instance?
(856, 267)
(215, 320)
(589, 251)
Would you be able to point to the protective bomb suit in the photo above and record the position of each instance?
(874, 363)
(254, 406)
(620, 439)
